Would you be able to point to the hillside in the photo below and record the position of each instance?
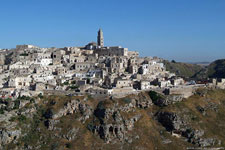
(217, 69)
(182, 69)
(143, 121)
(214, 70)
(198, 72)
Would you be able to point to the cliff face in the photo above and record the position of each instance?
(145, 121)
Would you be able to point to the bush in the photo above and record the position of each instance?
(24, 98)
(8, 99)
(89, 97)
(127, 100)
(22, 118)
(173, 61)
(1, 110)
(73, 87)
(32, 100)
(40, 96)
(12, 119)
(68, 145)
(73, 82)
(66, 83)
(154, 96)
(16, 104)
(48, 114)
(24, 54)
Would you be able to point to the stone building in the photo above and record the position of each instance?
(111, 51)
(118, 64)
(25, 47)
(121, 83)
(84, 66)
(57, 56)
(23, 82)
(2, 59)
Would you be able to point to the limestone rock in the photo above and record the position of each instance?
(9, 135)
(71, 134)
(171, 121)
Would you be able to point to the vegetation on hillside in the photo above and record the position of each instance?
(193, 71)
(203, 111)
(217, 69)
(182, 69)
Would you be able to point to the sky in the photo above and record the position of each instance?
(181, 30)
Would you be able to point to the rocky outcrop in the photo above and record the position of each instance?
(86, 111)
(116, 121)
(209, 106)
(169, 99)
(143, 102)
(174, 123)
(71, 134)
(50, 124)
(75, 106)
(164, 100)
(171, 121)
(69, 108)
(9, 135)
(110, 125)
(196, 137)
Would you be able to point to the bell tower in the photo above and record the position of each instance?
(100, 39)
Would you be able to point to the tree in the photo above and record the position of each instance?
(173, 61)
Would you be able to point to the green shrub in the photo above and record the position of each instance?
(154, 95)
(32, 100)
(1, 110)
(73, 82)
(48, 114)
(40, 96)
(68, 145)
(66, 83)
(73, 87)
(16, 104)
(24, 98)
(89, 97)
(22, 118)
(24, 54)
(12, 119)
(127, 100)
(8, 99)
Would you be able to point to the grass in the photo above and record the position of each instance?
(150, 132)
(182, 69)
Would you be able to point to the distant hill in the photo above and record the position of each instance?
(200, 63)
(215, 69)
(185, 70)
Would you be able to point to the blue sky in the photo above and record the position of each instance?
(184, 30)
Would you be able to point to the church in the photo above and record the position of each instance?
(112, 51)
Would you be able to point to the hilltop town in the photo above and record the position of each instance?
(98, 97)
(94, 69)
